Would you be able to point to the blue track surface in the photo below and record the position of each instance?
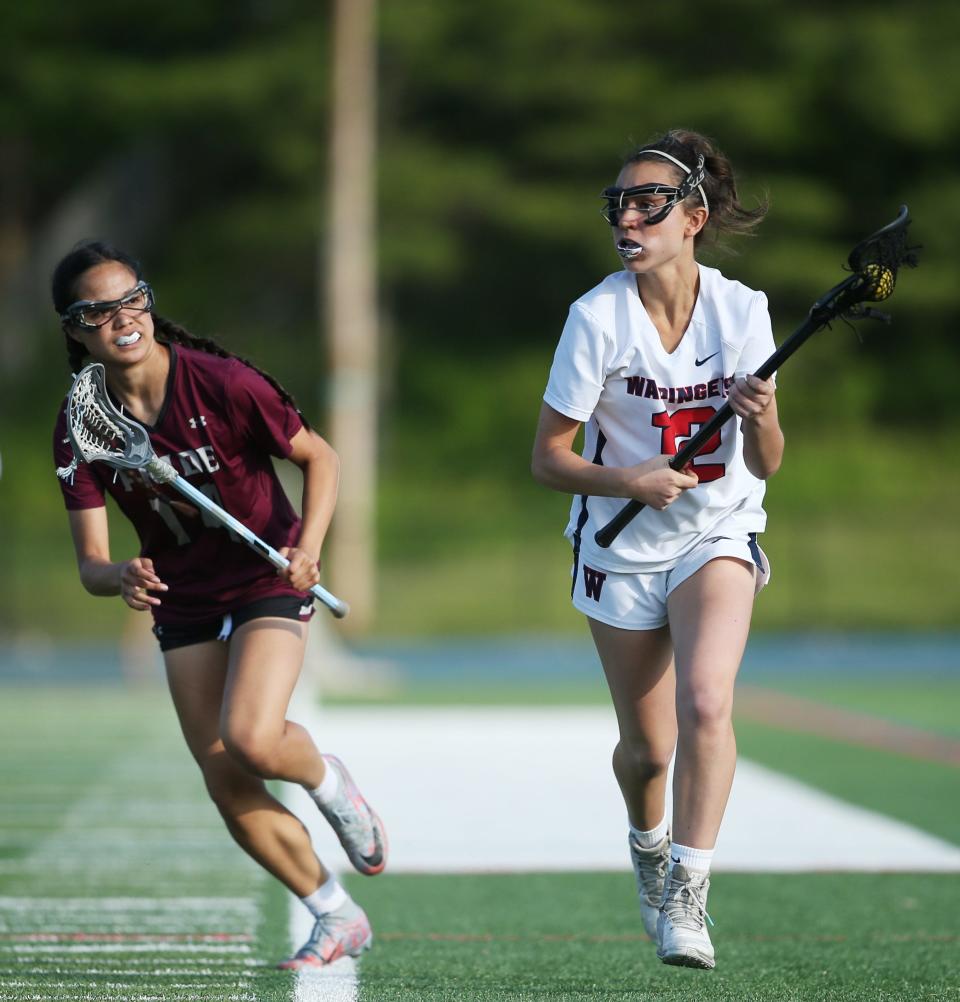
(530, 659)
(541, 658)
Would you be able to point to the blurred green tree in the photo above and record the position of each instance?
(195, 134)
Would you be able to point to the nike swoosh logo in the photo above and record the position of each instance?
(701, 361)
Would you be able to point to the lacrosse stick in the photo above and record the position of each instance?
(874, 263)
(98, 431)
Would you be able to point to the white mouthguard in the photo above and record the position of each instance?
(628, 251)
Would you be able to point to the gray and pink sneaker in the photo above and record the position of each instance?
(356, 824)
(344, 932)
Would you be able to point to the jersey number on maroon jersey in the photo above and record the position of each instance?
(176, 524)
(680, 424)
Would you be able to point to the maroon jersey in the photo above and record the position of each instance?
(220, 423)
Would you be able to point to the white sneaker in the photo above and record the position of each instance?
(682, 937)
(650, 869)
(344, 932)
(355, 823)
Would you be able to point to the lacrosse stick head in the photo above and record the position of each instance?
(874, 263)
(97, 429)
(877, 259)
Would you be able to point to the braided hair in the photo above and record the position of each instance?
(727, 214)
(88, 254)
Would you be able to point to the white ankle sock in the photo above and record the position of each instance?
(690, 858)
(328, 787)
(326, 898)
(647, 840)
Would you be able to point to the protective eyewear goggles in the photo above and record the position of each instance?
(91, 314)
(655, 201)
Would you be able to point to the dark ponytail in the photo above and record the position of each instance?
(727, 215)
(169, 332)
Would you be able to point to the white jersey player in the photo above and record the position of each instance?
(645, 359)
(612, 372)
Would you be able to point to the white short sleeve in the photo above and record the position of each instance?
(580, 366)
(759, 344)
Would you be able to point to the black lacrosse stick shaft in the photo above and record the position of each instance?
(836, 301)
(874, 263)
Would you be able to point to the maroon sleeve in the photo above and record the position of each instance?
(259, 413)
(82, 489)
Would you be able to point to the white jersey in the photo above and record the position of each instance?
(637, 401)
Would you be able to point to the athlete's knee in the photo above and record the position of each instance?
(255, 750)
(229, 787)
(641, 759)
(704, 709)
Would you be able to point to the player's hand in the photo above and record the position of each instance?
(749, 396)
(303, 572)
(656, 484)
(137, 580)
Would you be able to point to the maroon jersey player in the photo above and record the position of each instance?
(232, 630)
(220, 423)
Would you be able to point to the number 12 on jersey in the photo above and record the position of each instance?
(681, 424)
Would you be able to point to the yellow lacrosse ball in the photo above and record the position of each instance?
(879, 280)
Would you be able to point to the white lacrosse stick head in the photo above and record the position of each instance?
(97, 429)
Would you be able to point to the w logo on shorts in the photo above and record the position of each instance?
(593, 582)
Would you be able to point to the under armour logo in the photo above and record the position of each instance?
(593, 582)
(202, 419)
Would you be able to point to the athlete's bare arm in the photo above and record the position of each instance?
(557, 466)
(755, 401)
(133, 579)
(321, 474)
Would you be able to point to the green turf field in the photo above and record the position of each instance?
(920, 793)
(916, 700)
(577, 936)
(117, 882)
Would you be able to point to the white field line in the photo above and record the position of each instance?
(57, 949)
(150, 967)
(145, 826)
(511, 789)
(110, 993)
(339, 982)
(85, 984)
(241, 907)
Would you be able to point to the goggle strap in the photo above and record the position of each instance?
(694, 178)
(619, 194)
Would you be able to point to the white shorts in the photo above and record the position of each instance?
(639, 601)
